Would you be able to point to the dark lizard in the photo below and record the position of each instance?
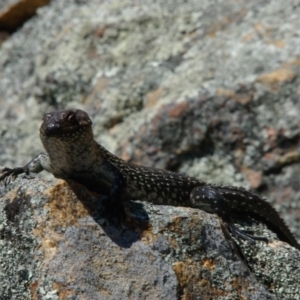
(73, 154)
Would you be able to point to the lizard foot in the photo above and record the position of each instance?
(245, 234)
(8, 175)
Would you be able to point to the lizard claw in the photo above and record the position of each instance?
(8, 175)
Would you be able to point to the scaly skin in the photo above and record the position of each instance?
(73, 154)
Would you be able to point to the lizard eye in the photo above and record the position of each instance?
(47, 116)
(70, 117)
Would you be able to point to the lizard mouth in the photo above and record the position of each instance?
(64, 122)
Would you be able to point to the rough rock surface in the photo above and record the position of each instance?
(209, 88)
(57, 245)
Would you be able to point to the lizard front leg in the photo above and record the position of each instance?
(114, 205)
(36, 165)
(212, 200)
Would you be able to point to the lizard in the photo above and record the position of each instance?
(73, 154)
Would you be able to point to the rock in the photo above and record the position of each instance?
(208, 88)
(56, 244)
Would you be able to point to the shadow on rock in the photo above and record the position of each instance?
(123, 233)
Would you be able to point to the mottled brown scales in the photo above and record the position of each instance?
(73, 154)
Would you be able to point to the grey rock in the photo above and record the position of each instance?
(56, 243)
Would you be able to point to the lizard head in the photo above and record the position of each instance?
(66, 124)
(67, 137)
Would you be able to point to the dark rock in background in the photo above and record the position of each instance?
(209, 88)
(14, 13)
